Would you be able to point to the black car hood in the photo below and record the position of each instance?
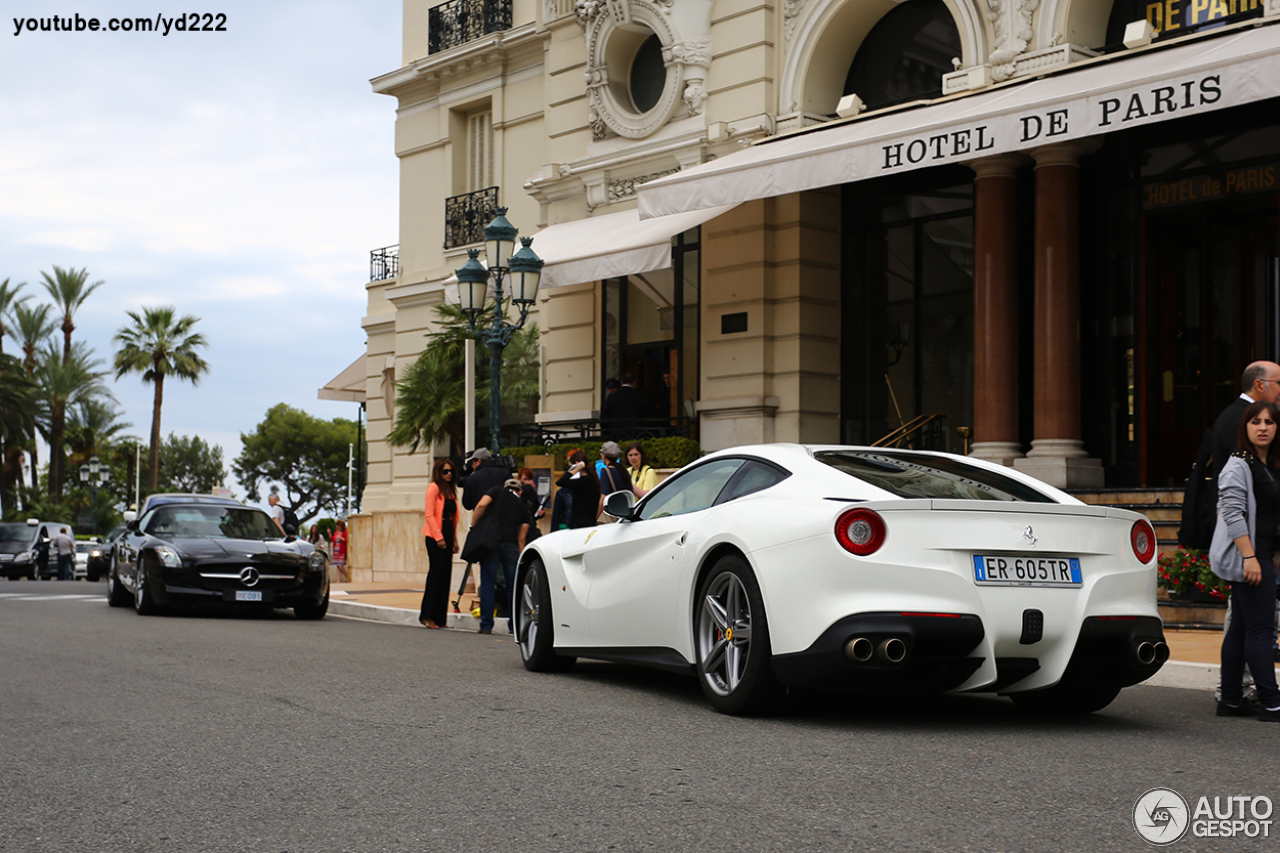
(223, 549)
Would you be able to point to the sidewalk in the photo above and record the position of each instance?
(1193, 654)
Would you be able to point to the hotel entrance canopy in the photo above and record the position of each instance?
(1089, 98)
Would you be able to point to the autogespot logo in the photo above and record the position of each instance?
(1161, 816)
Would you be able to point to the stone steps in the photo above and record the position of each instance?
(1162, 507)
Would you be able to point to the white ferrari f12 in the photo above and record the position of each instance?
(853, 569)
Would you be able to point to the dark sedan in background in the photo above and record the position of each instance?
(205, 553)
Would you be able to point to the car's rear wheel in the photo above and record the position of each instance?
(535, 630)
(1064, 699)
(311, 610)
(732, 637)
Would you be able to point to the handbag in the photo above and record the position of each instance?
(482, 539)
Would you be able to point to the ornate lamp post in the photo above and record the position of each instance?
(92, 475)
(525, 270)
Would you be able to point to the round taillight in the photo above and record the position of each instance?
(860, 531)
(1143, 538)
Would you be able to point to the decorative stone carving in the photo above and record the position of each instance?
(1012, 21)
(625, 188)
(694, 97)
(586, 11)
(599, 130)
(790, 12)
(692, 52)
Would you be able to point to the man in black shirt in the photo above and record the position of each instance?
(506, 510)
(484, 473)
(624, 411)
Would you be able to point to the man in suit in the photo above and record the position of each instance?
(1260, 381)
(624, 411)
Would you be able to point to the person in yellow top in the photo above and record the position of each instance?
(643, 478)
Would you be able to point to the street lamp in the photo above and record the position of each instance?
(525, 269)
(92, 475)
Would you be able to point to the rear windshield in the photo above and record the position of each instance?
(911, 475)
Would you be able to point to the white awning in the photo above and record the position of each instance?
(348, 386)
(612, 245)
(1090, 98)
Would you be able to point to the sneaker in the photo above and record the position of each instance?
(1225, 710)
(1269, 716)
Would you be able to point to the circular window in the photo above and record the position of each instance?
(648, 75)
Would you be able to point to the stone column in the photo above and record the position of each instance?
(1057, 454)
(995, 315)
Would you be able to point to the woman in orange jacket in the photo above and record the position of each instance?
(440, 529)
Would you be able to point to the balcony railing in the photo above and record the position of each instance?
(460, 21)
(384, 263)
(465, 216)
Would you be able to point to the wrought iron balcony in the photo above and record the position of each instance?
(460, 21)
(465, 216)
(384, 263)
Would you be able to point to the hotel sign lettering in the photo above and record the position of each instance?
(1085, 117)
(1174, 17)
(1252, 179)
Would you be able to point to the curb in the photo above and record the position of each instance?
(401, 616)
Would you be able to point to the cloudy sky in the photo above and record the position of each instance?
(241, 176)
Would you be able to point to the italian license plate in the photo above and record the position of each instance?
(1025, 570)
(242, 595)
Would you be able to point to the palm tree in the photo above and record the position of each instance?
(8, 299)
(430, 399)
(69, 291)
(63, 386)
(33, 326)
(160, 344)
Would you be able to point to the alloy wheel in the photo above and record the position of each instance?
(724, 634)
(527, 614)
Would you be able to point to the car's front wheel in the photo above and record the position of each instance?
(117, 595)
(732, 636)
(534, 628)
(311, 610)
(143, 601)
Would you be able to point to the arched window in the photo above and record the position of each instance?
(905, 55)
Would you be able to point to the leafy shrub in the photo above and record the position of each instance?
(1187, 571)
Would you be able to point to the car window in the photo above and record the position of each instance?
(15, 538)
(210, 522)
(911, 475)
(753, 477)
(693, 490)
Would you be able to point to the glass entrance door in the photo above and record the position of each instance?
(1212, 301)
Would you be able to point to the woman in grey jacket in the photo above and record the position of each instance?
(1243, 553)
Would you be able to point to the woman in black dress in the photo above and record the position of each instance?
(581, 482)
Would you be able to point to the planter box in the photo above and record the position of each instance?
(1185, 614)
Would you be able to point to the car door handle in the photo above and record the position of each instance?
(683, 537)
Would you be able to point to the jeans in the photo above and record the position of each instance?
(492, 565)
(1248, 639)
(66, 567)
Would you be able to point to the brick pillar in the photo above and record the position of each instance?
(995, 315)
(1057, 454)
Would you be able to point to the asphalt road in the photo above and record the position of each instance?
(213, 733)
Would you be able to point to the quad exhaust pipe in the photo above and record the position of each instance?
(862, 650)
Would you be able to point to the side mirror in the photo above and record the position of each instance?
(132, 524)
(619, 504)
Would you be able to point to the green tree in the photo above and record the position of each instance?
(32, 327)
(190, 464)
(431, 398)
(8, 299)
(68, 289)
(64, 385)
(305, 454)
(17, 426)
(160, 344)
